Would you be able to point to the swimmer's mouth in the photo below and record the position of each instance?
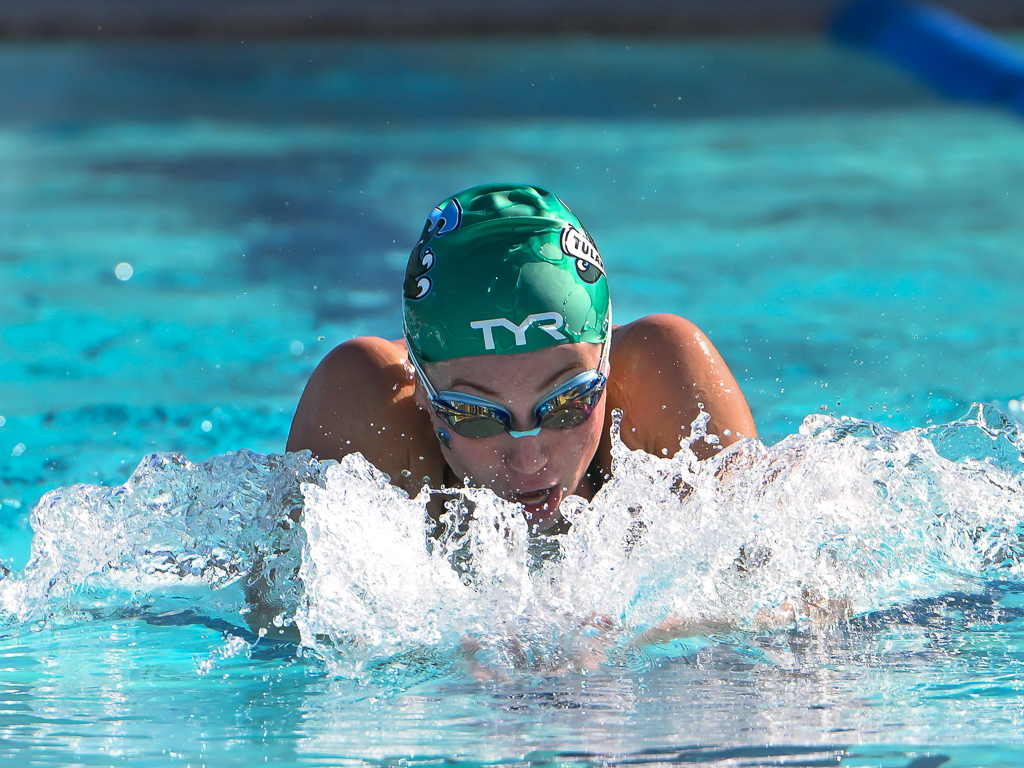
(532, 498)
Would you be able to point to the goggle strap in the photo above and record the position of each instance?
(431, 392)
(607, 347)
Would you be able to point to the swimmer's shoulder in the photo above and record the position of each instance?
(360, 398)
(365, 361)
(356, 379)
(664, 371)
(642, 345)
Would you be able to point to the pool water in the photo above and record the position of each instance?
(850, 242)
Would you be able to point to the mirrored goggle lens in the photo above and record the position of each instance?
(572, 407)
(563, 410)
(479, 427)
(470, 419)
(567, 416)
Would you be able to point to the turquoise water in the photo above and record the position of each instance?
(851, 244)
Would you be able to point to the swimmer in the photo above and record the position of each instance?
(510, 367)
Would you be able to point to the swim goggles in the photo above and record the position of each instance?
(566, 407)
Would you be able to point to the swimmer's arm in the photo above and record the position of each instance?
(360, 398)
(664, 366)
(818, 612)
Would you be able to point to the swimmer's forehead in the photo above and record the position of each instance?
(496, 374)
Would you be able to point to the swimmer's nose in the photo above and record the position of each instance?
(526, 455)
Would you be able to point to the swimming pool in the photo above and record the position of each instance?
(849, 242)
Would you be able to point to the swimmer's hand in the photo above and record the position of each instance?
(584, 650)
(811, 607)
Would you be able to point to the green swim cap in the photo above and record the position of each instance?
(501, 269)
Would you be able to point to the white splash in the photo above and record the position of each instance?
(846, 516)
(233, 645)
(174, 530)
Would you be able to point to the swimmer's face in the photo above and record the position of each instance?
(537, 471)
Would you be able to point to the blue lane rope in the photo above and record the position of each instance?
(954, 55)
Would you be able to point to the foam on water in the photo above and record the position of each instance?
(845, 517)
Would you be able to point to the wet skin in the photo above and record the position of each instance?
(363, 397)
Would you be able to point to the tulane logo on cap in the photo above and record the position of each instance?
(578, 245)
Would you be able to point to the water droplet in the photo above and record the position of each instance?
(124, 271)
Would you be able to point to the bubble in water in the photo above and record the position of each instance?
(297, 347)
(124, 271)
(206, 426)
(2, 421)
(18, 449)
